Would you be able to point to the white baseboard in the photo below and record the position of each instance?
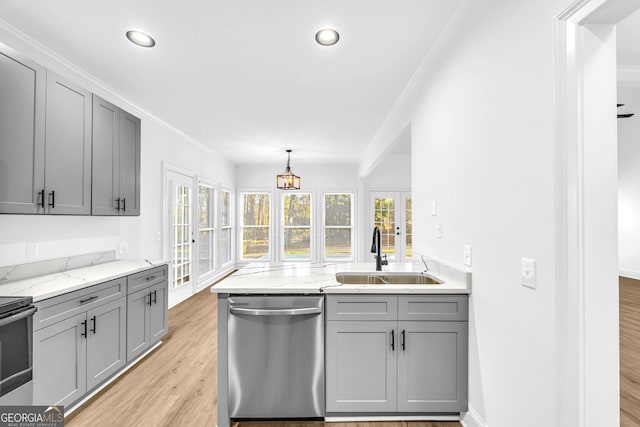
(629, 273)
(472, 419)
(391, 418)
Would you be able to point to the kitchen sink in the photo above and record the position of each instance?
(387, 278)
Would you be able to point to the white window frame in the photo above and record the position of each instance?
(242, 226)
(214, 229)
(230, 215)
(312, 233)
(325, 227)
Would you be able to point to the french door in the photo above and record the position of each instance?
(391, 211)
(180, 232)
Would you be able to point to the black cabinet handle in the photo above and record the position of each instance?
(155, 297)
(393, 340)
(93, 319)
(84, 329)
(82, 301)
(124, 205)
(118, 204)
(403, 339)
(52, 199)
(150, 293)
(41, 198)
(150, 278)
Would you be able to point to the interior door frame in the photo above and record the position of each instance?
(183, 292)
(586, 212)
(401, 217)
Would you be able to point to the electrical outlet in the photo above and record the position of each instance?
(159, 236)
(123, 248)
(434, 208)
(467, 255)
(439, 230)
(32, 250)
(528, 272)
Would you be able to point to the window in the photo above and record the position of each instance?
(296, 221)
(225, 227)
(408, 228)
(338, 212)
(206, 229)
(256, 228)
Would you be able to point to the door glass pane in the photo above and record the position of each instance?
(337, 243)
(384, 218)
(255, 242)
(408, 229)
(181, 233)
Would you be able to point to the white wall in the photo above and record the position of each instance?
(59, 236)
(482, 122)
(629, 183)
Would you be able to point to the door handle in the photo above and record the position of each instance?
(275, 312)
(393, 340)
(41, 198)
(155, 297)
(118, 204)
(124, 205)
(84, 329)
(93, 319)
(150, 293)
(52, 199)
(403, 340)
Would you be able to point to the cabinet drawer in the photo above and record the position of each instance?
(362, 307)
(62, 307)
(433, 307)
(146, 278)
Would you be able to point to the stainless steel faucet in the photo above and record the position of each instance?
(424, 261)
(375, 249)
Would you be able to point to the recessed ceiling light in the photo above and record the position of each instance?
(140, 38)
(327, 37)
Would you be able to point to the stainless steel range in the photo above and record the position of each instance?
(16, 350)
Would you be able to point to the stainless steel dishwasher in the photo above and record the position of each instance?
(276, 356)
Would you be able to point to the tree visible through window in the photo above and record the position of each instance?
(337, 226)
(225, 227)
(206, 229)
(297, 226)
(256, 215)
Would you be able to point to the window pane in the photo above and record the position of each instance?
(226, 206)
(337, 209)
(337, 243)
(408, 228)
(384, 217)
(206, 198)
(256, 209)
(205, 251)
(297, 243)
(255, 243)
(225, 245)
(297, 209)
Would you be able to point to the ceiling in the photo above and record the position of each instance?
(628, 35)
(246, 77)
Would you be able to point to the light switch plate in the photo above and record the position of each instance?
(467, 255)
(434, 208)
(123, 248)
(528, 272)
(439, 230)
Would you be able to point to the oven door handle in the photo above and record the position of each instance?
(276, 312)
(19, 316)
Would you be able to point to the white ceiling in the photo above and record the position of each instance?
(246, 77)
(628, 41)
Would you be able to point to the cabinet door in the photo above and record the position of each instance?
(106, 341)
(432, 367)
(361, 366)
(22, 91)
(158, 312)
(129, 164)
(59, 362)
(106, 158)
(67, 147)
(138, 339)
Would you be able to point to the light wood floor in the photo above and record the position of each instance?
(176, 384)
(629, 352)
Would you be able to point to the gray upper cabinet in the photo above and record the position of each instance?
(116, 160)
(22, 85)
(67, 147)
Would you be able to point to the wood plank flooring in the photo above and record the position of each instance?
(176, 384)
(629, 352)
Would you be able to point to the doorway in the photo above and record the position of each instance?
(180, 231)
(391, 211)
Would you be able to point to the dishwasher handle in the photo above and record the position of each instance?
(275, 311)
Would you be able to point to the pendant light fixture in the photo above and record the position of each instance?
(287, 180)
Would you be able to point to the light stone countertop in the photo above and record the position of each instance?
(51, 285)
(316, 278)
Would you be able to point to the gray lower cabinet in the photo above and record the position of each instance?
(116, 160)
(414, 363)
(106, 341)
(147, 312)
